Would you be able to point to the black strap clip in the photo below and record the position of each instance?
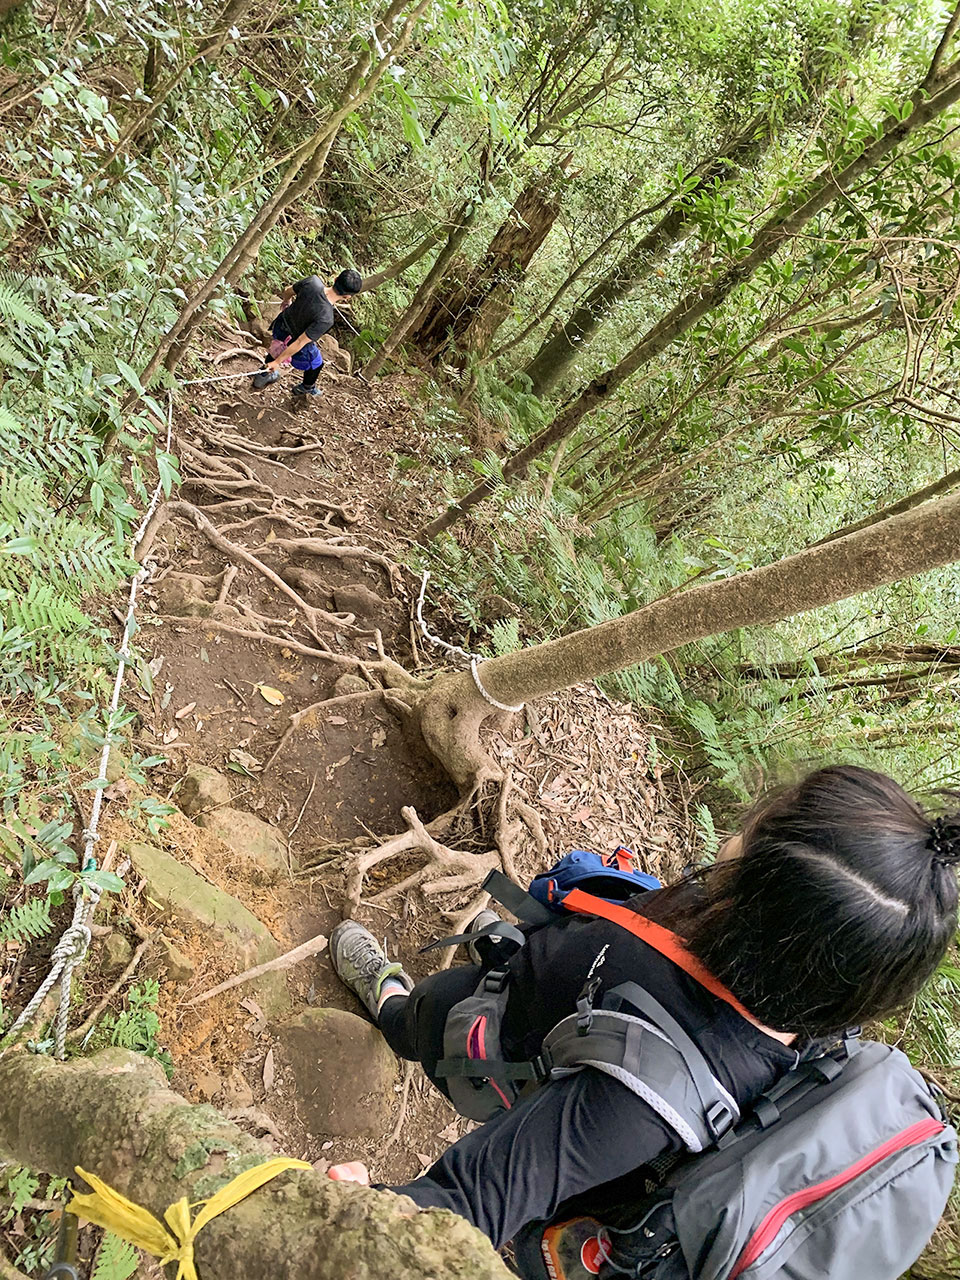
(585, 1006)
(720, 1120)
(496, 980)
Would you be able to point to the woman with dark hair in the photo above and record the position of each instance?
(832, 907)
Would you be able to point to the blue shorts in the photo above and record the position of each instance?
(307, 357)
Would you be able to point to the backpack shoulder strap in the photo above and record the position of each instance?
(652, 1056)
(661, 939)
(523, 905)
(719, 1109)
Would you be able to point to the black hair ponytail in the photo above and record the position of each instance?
(840, 906)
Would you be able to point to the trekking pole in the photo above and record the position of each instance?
(64, 1262)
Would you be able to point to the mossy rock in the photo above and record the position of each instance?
(178, 891)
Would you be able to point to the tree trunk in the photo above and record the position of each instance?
(915, 499)
(114, 1115)
(459, 230)
(419, 250)
(787, 222)
(467, 315)
(926, 538)
(746, 149)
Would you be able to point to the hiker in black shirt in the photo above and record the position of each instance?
(831, 908)
(306, 315)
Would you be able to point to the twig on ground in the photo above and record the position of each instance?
(408, 1070)
(286, 961)
(303, 808)
(79, 1032)
(299, 716)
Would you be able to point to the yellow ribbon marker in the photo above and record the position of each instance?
(108, 1208)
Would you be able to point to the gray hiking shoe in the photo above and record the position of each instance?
(265, 379)
(359, 963)
(480, 922)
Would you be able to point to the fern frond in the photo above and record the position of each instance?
(27, 922)
(116, 1260)
(14, 307)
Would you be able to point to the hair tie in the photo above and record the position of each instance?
(944, 842)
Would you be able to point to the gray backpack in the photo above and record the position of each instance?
(841, 1171)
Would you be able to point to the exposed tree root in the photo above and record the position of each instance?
(445, 870)
(264, 637)
(238, 554)
(459, 921)
(226, 477)
(332, 550)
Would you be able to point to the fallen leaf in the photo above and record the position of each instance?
(425, 1161)
(184, 711)
(204, 656)
(379, 737)
(243, 762)
(273, 696)
(156, 664)
(269, 1071)
(287, 653)
(271, 537)
(247, 720)
(172, 734)
(336, 719)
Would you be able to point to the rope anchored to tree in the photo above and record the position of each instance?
(473, 658)
(73, 945)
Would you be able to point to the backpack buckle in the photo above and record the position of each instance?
(720, 1119)
(496, 980)
(585, 1006)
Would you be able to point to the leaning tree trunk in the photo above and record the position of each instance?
(114, 1115)
(928, 101)
(460, 228)
(451, 712)
(467, 315)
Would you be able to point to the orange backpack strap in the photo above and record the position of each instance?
(656, 936)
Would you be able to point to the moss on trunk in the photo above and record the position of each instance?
(114, 1115)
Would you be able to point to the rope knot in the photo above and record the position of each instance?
(73, 945)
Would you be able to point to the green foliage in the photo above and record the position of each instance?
(116, 1259)
(26, 922)
(33, 1240)
(136, 1027)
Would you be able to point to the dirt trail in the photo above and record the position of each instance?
(268, 472)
